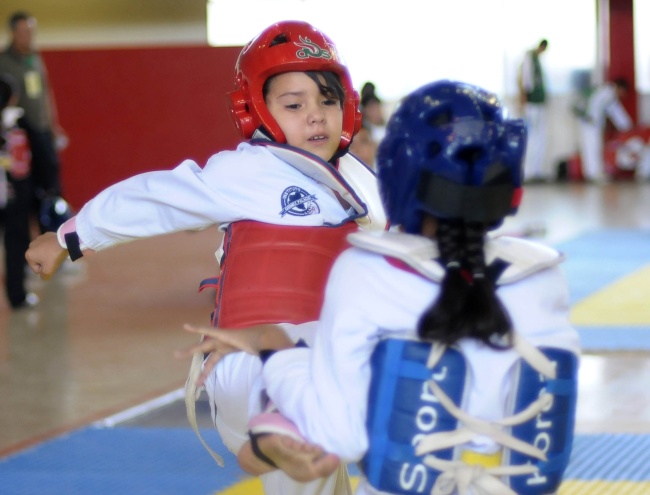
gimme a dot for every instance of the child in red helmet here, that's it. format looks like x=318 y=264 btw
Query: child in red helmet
x=285 y=198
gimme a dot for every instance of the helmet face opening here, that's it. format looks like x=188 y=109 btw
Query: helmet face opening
x=289 y=46
x=450 y=151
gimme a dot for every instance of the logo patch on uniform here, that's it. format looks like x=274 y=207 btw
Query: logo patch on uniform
x=311 y=49
x=298 y=202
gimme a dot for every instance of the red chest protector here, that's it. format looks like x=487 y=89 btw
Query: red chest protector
x=274 y=273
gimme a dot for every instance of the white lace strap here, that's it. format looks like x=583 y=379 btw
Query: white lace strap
x=534 y=357
x=475 y=426
x=436 y=352
x=192 y=394
x=457 y=477
x=343 y=484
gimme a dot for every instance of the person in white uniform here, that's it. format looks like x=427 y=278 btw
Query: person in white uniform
x=444 y=361
x=603 y=103
x=534 y=104
x=286 y=198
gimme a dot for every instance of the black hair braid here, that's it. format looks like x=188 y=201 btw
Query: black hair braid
x=467 y=305
x=487 y=318
x=441 y=320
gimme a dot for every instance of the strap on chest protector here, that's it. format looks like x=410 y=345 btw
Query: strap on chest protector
x=417 y=427
x=551 y=430
x=402 y=410
x=274 y=273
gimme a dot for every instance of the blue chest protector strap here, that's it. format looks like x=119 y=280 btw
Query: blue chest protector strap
x=404 y=410
x=417 y=428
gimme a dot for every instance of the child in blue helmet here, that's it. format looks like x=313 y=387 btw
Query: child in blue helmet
x=444 y=361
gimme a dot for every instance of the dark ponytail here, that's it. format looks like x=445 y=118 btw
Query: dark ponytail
x=467 y=305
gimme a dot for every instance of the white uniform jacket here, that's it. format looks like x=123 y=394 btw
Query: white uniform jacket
x=260 y=181
x=324 y=389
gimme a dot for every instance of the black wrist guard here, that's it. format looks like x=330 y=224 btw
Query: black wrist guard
x=72 y=243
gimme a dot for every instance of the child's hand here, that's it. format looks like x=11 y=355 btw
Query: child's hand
x=45 y=255
x=219 y=343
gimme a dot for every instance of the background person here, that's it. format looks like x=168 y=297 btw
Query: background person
x=603 y=103
x=40 y=120
x=372 y=110
x=533 y=101
x=364 y=146
x=15 y=163
x=37 y=187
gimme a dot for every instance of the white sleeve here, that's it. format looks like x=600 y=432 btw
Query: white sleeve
x=324 y=390
x=539 y=307
x=150 y=204
x=618 y=115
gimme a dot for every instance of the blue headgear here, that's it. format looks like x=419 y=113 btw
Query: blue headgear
x=450 y=151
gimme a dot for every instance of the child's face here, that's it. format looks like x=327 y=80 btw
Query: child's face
x=308 y=119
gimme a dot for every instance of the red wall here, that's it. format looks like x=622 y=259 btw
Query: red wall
x=616 y=41
x=133 y=110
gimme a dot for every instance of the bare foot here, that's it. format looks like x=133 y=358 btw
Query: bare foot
x=301 y=461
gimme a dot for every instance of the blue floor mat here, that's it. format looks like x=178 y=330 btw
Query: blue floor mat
x=596 y=260
x=171 y=461
x=144 y=461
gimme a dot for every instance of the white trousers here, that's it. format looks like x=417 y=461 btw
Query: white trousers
x=535 y=117
x=643 y=168
x=591 y=151
x=235 y=389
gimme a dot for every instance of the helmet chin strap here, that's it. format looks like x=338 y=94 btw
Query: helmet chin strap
x=339 y=153
x=261 y=133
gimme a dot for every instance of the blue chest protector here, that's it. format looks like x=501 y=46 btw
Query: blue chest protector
x=552 y=429
x=403 y=409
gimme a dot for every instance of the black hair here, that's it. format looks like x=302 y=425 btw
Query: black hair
x=467 y=306
x=368 y=95
x=17 y=17
x=332 y=87
x=543 y=43
x=368 y=99
x=368 y=89
x=621 y=82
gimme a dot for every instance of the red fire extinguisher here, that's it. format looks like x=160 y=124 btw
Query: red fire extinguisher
x=19 y=153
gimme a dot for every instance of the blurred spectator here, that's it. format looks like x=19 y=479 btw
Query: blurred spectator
x=372 y=111
x=31 y=127
x=532 y=99
x=15 y=170
x=601 y=103
x=364 y=146
x=23 y=62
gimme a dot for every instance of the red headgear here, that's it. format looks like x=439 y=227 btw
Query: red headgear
x=305 y=49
